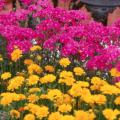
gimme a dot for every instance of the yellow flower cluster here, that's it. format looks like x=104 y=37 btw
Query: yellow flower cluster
x=48 y=78
x=8 y=98
x=45 y=92
x=67 y=78
x=15 y=83
x=39 y=111
x=34 y=68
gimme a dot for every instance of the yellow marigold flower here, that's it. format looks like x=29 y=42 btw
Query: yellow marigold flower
x=97 y=83
x=39 y=111
x=8 y=98
x=89 y=99
x=14 y=114
x=117 y=100
x=6 y=75
x=33 y=79
x=35 y=48
x=111 y=114
x=29 y=117
x=76 y=90
x=33 y=98
x=28 y=61
x=67 y=78
x=67 y=99
x=82 y=115
x=34 y=68
x=83 y=84
x=64 y=108
x=66 y=74
x=79 y=71
x=117 y=84
x=114 y=72
x=64 y=62
x=54 y=94
x=54 y=116
x=92 y=115
x=34 y=90
x=49 y=68
x=48 y=78
x=16 y=54
x=110 y=89
x=67 y=81
x=67 y=117
x=100 y=99
x=15 y=83
x=42 y=112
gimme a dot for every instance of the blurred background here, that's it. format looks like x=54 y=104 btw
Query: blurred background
x=65 y=4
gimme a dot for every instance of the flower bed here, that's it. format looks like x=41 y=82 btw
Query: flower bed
x=55 y=64
x=50 y=88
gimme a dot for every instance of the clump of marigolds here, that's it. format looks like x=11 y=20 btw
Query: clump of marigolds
x=57 y=91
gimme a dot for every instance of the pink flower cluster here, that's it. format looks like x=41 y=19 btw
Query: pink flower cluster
x=69 y=31
x=2 y=4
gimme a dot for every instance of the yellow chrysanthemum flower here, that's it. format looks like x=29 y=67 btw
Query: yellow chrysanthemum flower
x=100 y=99
x=28 y=61
x=8 y=98
x=84 y=115
x=117 y=84
x=15 y=83
x=39 y=111
x=33 y=98
x=114 y=72
x=55 y=116
x=33 y=79
x=67 y=78
x=64 y=62
x=35 y=48
x=110 y=89
x=54 y=94
x=15 y=114
x=117 y=100
x=29 y=117
x=6 y=75
x=48 y=78
x=49 y=68
x=79 y=71
x=34 y=68
x=111 y=114
x=64 y=108
x=16 y=54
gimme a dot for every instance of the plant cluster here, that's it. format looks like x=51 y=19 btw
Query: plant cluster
x=56 y=64
x=48 y=87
